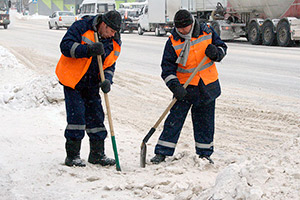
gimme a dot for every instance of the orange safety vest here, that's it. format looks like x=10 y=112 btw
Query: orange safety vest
x=70 y=70
x=196 y=54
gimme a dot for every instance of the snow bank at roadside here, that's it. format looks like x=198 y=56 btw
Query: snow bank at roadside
x=39 y=91
x=274 y=176
x=30 y=17
x=36 y=91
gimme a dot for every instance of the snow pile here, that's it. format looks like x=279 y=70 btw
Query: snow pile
x=39 y=91
x=272 y=177
x=35 y=91
x=30 y=17
x=8 y=60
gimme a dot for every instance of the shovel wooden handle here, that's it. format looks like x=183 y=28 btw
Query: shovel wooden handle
x=111 y=127
x=200 y=67
x=143 y=153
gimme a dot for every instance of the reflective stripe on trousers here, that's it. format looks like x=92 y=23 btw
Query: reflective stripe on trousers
x=203 y=124
x=84 y=113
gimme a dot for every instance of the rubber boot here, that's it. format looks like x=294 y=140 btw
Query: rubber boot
x=158 y=158
x=97 y=155
x=73 y=155
x=207 y=158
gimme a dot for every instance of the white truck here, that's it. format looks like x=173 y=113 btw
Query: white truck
x=130 y=13
x=268 y=22
x=94 y=7
x=157 y=16
x=4 y=13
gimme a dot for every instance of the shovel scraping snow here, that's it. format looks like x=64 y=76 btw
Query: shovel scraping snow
x=143 y=153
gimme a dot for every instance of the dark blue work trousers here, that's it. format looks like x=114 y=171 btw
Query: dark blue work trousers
x=203 y=118
x=84 y=113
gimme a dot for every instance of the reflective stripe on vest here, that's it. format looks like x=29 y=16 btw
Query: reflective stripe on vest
x=196 y=54
x=70 y=70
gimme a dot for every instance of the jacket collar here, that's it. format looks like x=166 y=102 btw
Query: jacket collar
x=98 y=18
x=95 y=20
x=198 y=30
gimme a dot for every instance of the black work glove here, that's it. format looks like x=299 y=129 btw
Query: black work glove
x=95 y=49
x=105 y=86
x=178 y=90
x=212 y=52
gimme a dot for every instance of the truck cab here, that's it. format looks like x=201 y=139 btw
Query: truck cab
x=143 y=20
x=153 y=18
x=94 y=7
x=130 y=13
x=157 y=16
x=4 y=13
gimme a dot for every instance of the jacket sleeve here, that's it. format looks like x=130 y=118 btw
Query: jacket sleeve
x=70 y=45
x=169 y=65
x=109 y=71
x=222 y=47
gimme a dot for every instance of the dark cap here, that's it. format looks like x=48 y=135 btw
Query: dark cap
x=112 y=19
x=183 y=18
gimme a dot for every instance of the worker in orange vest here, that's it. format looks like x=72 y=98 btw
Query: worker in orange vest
x=78 y=72
x=190 y=41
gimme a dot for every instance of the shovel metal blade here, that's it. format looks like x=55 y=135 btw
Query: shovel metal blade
x=143 y=155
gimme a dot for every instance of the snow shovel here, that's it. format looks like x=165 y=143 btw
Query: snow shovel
x=143 y=153
x=108 y=110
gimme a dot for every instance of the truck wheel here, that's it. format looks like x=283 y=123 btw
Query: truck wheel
x=157 y=33
x=5 y=26
x=254 y=33
x=284 y=35
x=122 y=28
x=140 y=31
x=268 y=34
x=56 y=26
x=50 y=27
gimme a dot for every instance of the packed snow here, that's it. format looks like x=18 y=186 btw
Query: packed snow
x=257 y=144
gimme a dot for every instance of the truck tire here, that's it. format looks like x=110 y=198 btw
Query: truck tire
x=157 y=33
x=140 y=31
x=50 y=27
x=254 y=34
x=268 y=34
x=283 y=34
x=56 y=26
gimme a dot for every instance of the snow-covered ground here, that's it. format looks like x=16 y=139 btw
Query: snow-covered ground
x=257 y=143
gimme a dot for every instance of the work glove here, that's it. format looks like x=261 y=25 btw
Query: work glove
x=179 y=91
x=105 y=86
x=212 y=52
x=95 y=49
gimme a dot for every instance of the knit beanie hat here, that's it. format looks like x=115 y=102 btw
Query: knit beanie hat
x=112 y=19
x=183 y=18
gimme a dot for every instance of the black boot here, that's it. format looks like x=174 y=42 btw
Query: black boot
x=158 y=158
x=73 y=156
x=97 y=155
x=207 y=158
